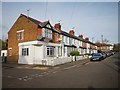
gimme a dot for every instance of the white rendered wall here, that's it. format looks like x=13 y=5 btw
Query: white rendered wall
x=4 y=51
x=38 y=54
x=25 y=59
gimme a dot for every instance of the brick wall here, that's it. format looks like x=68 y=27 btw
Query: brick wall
x=30 y=34
x=84 y=44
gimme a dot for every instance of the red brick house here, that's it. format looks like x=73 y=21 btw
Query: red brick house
x=25 y=29
x=34 y=42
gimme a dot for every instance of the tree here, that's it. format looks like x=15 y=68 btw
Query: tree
x=74 y=53
x=3 y=44
x=116 y=47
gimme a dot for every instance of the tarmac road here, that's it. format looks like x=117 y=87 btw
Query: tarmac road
x=79 y=74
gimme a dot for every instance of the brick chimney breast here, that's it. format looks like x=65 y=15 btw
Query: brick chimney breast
x=71 y=32
x=57 y=26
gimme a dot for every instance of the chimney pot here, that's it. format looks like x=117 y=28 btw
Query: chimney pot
x=80 y=36
x=87 y=38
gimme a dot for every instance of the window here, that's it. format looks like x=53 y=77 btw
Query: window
x=10 y=51
x=50 y=51
x=62 y=39
x=66 y=39
x=59 y=51
x=70 y=41
x=20 y=35
x=25 y=51
x=48 y=33
x=48 y=26
x=56 y=36
x=73 y=41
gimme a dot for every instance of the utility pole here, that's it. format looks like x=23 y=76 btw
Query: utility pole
x=102 y=42
x=92 y=39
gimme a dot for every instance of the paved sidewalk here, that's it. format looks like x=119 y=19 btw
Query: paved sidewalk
x=78 y=62
x=16 y=65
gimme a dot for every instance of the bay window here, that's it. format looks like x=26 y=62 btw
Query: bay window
x=48 y=33
x=56 y=36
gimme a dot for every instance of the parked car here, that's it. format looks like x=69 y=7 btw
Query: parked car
x=96 y=57
x=104 y=55
x=108 y=53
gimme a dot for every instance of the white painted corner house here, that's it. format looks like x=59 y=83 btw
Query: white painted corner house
x=39 y=52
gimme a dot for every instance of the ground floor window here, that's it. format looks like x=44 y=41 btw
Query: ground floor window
x=10 y=51
x=59 y=51
x=25 y=51
x=50 y=51
x=82 y=51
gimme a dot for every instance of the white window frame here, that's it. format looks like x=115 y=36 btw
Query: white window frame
x=63 y=39
x=49 y=50
x=48 y=33
x=56 y=36
x=48 y=26
x=20 y=35
x=10 y=51
x=25 y=51
x=66 y=40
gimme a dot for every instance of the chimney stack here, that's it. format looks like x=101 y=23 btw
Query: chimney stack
x=80 y=36
x=87 y=38
x=71 y=32
x=57 y=26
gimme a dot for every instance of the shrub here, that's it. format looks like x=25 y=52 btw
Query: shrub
x=74 y=53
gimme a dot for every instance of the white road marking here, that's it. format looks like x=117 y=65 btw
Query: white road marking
x=70 y=67
x=54 y=72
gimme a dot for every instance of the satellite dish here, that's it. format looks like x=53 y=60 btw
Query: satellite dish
x=40 y=36
x=47 y=39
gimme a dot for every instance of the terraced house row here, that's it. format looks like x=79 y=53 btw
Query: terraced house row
x=34 y=42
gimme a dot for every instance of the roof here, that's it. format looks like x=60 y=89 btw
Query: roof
x=39 y=23
x=43 y=24
x=81 y=39
x=102 y=44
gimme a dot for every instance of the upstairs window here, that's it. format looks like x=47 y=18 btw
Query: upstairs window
x=56 y=36
x=48 y=26
x=66 y=40
x=63 y=39
x=48 y=33
x=20 y=35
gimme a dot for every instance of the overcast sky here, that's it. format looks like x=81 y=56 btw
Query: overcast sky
x=91 y=19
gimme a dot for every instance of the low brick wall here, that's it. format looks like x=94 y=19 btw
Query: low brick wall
x=57 y=61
